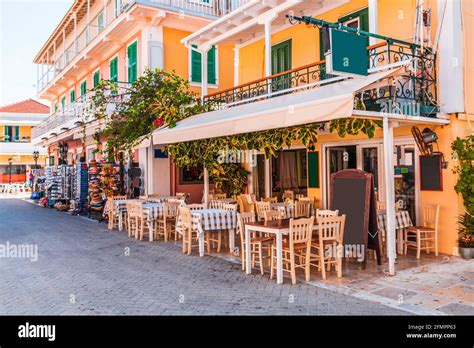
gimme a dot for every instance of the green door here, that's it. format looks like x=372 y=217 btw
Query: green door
x=281 y=61
x=132 y=62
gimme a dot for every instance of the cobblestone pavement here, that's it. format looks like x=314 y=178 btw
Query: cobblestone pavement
x=82 y=268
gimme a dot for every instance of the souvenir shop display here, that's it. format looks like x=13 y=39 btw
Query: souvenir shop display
x=39 y=184
x=53 y=182
x=96 y=196
x=81 y=191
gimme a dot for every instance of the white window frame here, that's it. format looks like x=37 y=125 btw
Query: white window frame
x=198 y=84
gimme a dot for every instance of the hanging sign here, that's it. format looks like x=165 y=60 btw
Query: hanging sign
x=348 y=55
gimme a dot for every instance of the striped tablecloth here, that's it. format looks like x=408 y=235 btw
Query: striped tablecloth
x=153 y=211
x=219 y=204
x=210 y=219
x=402 y=220
x=163 y=199
x=288 y=209
x=120 y=205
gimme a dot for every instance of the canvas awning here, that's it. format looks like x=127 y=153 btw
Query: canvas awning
x=314 y=105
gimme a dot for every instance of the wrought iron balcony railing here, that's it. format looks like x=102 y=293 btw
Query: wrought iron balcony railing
x=414 y=91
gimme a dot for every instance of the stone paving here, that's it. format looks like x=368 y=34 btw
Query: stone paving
x=82 y=268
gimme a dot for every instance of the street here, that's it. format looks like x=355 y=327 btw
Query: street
x=82 y=268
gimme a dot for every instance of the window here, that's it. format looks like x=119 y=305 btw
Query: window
x=96 y=78
x=55 y=106
x=100 y=22
x=118 y=7
x=12 y=133
x=72 y=95
x=211 y=66
x=281 y=61
x=113 y=64
x=83 y=88
x=63 y=102
x=132 y=62
x=191 y=175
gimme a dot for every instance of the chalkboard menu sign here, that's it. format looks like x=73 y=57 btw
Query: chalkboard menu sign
x=431 y=173
x=352 y=193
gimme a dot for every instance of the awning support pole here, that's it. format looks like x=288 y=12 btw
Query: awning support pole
x=389 y=193
x=268 y=174
x=206 y=188
x=149 y=169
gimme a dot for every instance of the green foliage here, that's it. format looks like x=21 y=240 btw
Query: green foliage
x=156 y=95
x=353 y=126
x=466 y=230
x=230 y=178
x=463 y=152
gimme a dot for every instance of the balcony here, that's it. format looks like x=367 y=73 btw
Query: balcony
x=19 y=148
x=107 y=17
x=73 y=114
x=414 y=91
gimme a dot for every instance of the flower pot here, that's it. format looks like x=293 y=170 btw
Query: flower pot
x=466 y=253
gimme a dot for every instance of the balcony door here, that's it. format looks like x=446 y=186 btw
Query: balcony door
x=281 y=61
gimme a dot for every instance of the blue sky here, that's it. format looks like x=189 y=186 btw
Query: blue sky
x=24 y=26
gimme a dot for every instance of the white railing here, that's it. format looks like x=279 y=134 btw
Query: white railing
x=213 y=8
x=82 y=110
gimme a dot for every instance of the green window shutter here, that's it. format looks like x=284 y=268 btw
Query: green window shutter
x=96 y=78
x=132 y=62
x=114 y=69
x=195 y=66
x=363 y=16
x=17 y=133
x=211 y=66
x=55 y=106
x=83 y=88
x=100 y=22
x=72 y=95
x=63 y=102
x=281 y=57
x=313 y=169
x=321 y=45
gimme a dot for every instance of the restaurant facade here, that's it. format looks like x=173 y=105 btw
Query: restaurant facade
x=269 y=70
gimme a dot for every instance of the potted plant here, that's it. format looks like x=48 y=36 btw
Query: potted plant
x=466 y=235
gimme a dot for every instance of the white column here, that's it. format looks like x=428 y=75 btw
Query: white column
x=206 y=188
x=373 y=20
x=104 y=13
x=268 y=178
x=389 y=193
x=149 y=174
x=88 y=20
x=268 y=47
x=236 y=65
x=203 y=52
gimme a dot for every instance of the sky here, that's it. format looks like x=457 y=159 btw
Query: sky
x=25 y=25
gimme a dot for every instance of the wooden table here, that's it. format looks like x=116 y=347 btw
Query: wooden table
x=276 y=227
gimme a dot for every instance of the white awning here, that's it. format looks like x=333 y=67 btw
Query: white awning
x=319 y=104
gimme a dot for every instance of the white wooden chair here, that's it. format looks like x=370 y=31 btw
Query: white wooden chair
x=424 y=237
x=261 y=207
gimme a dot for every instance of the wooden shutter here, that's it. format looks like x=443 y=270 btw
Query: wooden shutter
x=195 y=66
x=83 y=88
x=313 y=169
x=55 y=106
x=132 y=62
x=363 y=16
x=63 y=102
x=96 y=78
x=211 y=66
x=114 y=69
x=17 y=133
x=281 y=57
x=72 y=95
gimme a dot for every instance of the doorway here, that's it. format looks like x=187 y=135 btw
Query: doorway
x=367 y=156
